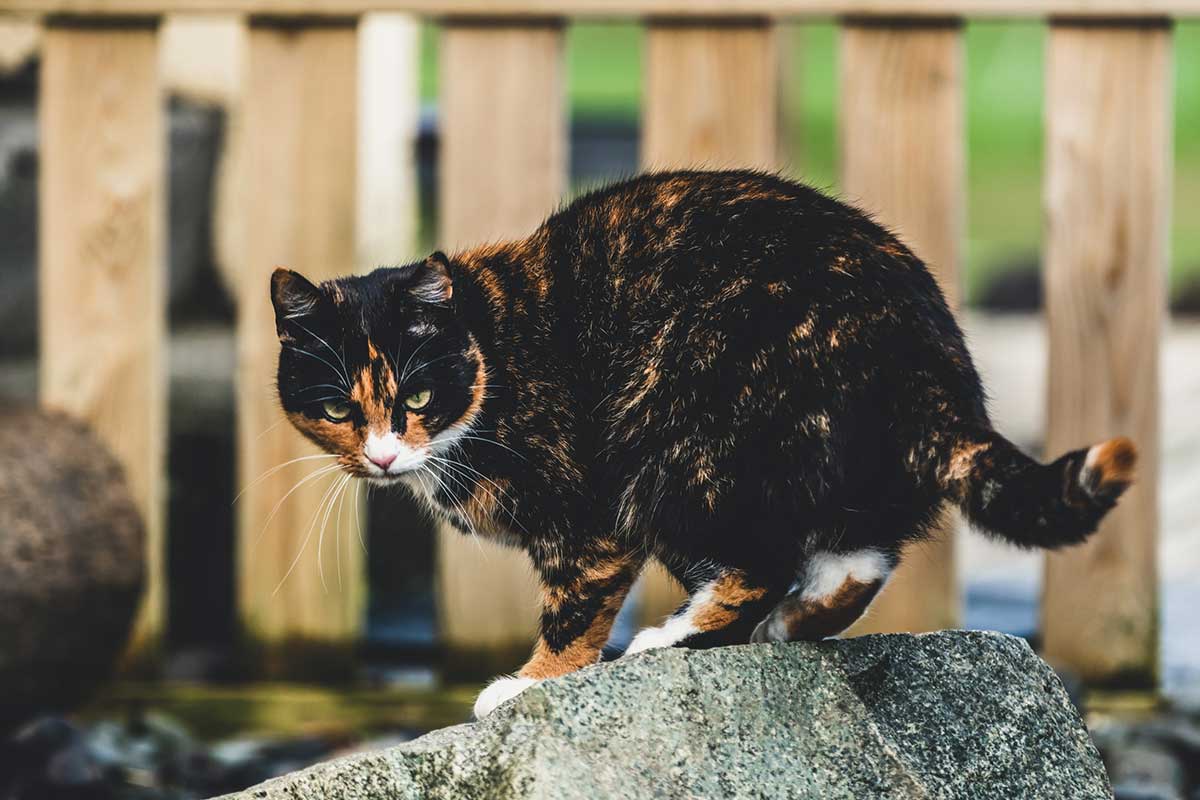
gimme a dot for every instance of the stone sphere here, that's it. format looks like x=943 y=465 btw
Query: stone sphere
x=71 y=563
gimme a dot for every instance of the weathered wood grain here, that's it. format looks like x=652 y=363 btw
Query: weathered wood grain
x=902 y=158
x=711 y=95
x=1107 y=203
x=102 y=271
x=503 y=169
x=298 y=204
x=389 y=105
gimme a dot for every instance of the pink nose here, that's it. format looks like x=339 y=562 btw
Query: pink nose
x=383 y=462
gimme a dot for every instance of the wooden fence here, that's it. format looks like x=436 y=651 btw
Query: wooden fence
x=711 y=96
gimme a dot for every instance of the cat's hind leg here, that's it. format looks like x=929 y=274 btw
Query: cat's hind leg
x=831 y=592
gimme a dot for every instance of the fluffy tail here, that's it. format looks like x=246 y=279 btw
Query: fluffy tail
x=1005 y=492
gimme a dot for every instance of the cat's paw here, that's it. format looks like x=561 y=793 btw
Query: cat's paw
x=498 y=692
x=669 y=634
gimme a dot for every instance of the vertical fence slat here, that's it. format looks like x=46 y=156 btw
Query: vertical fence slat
x=389 y=103
x=298 y=196
x=710 y=99
x=711 y=94
x=902 y=158
x=503 y=168
x=102 y=303
x=1107 y=194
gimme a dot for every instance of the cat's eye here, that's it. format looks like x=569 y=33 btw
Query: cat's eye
x=336 y=410
x=415 y=402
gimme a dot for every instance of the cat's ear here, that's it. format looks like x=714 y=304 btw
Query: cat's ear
x=431 y=283
x=293 y=296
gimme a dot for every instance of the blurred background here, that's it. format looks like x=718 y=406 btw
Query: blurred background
x=278 y=627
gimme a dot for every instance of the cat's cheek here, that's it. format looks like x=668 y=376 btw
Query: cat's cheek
x=498 y=692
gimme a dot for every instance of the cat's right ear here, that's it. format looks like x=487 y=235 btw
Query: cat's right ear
x=293 y=296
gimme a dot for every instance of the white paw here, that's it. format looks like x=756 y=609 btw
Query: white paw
x=498 y=692
x=670 y=633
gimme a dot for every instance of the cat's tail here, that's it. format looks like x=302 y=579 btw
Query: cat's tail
x=1007 y=493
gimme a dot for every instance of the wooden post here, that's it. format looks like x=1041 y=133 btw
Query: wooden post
x=388 y=112
x=298 y=195
x=710 y=100
x=102 y=283
x=902 y=158
x=503 y=170
x=20 y=39
x=711 y=94
x=1107 y=195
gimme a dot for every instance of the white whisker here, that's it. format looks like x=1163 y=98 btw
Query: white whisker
x=337 y=534
x=337 y=492
x=473 y=438
x=275 y=469
x=358 y=510
x=411 y=356
x=271 y=427
x=462 y=513
x=340 y=357
x=429 y=363
x=323 y=361
x=319 y=473
x=307 y=536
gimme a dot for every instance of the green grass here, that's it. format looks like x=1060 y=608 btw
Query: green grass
x=1004 y=126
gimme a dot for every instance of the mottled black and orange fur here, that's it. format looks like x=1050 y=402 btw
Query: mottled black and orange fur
x=728 y=372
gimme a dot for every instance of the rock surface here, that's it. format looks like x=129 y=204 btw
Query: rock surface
x=71 y=563
x=946 y=715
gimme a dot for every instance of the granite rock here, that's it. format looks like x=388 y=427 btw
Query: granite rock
x=945 y=715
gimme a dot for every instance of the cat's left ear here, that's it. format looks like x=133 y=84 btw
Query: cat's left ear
x=293 y=296
x=431 y=283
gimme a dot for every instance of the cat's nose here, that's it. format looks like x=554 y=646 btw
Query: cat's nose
x=382 y=450
x=383 y=461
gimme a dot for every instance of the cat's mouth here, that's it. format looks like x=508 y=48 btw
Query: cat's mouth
x=388 y=457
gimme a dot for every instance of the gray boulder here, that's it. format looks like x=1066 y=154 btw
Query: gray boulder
x=955 y=714
x=71 y=563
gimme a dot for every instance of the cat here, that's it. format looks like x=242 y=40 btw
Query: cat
x=729 y=372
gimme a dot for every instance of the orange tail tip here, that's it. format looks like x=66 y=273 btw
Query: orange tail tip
x=1109 y=467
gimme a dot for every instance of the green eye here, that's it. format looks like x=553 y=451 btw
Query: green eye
x=336 y=410
x=415 y=402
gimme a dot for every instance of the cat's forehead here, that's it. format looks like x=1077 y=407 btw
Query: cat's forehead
x=366 y=307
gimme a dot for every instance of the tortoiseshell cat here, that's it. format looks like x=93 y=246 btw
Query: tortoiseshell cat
x=725 y=371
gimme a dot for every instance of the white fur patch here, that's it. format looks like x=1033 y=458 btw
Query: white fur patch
x=390 y=445
x=674 y=630
x=825 y=572
x=1085 y=476
x=422 y=330
x=499 y=692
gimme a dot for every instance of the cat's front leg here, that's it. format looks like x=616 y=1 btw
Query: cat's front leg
x=581 y=595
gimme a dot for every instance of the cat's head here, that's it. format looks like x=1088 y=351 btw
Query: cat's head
x=377 y=369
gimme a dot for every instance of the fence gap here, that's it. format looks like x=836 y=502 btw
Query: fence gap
x=1107 y=203
x=299 y=194
x=902 y=143
x=102 y=212
x=503 y=168
x=710 y=100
